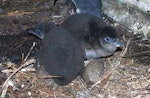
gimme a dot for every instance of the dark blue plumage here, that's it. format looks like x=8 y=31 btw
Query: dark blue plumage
x=96 y=37
x=60 y=53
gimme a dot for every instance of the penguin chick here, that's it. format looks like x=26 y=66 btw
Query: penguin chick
x=60 y=53
x=95 y=36
x=93 y=7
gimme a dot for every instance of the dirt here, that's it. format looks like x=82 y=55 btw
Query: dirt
x=125 y=77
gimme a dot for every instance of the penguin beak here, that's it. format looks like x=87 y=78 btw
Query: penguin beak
x=118 y=43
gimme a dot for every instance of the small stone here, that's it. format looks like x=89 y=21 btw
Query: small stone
x=22 y=86
x=29 y=93
x=94 y=71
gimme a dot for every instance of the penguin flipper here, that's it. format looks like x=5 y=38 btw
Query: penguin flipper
x=37 y=33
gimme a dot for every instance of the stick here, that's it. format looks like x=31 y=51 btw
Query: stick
x=22 y=66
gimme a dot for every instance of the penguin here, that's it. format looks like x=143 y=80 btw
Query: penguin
x=96 y=37
x=59 y=54
x=92 y=7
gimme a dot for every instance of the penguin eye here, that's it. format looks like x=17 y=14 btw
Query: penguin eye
x=108 y=39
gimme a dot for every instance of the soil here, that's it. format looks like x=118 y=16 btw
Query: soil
x=125 y=76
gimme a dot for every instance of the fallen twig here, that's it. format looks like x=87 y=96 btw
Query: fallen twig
x=22 y=66
x=29 y=52
x=27 y=63
x=48 y=77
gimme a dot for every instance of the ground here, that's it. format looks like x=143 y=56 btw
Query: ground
x=126 y=74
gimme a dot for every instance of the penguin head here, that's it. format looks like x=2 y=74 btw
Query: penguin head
x=108 y=39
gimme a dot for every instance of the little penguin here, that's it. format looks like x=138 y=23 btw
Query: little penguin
x=96 y=37
x=93 y=7
x=60 y=53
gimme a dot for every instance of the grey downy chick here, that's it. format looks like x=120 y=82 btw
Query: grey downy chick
x=96 y=37
x=60 y=53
